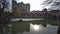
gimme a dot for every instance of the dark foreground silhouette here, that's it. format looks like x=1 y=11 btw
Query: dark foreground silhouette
x=58 y=31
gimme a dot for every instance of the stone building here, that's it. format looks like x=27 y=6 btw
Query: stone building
x=15 y=9
x=33 y=14
x=37 y=14
x=24 y=7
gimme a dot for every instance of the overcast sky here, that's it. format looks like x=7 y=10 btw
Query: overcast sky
x=41 y=4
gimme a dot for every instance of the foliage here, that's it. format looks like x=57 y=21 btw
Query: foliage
x=3 y=5
x=4 y=15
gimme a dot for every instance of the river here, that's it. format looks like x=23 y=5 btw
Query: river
x=31 y=27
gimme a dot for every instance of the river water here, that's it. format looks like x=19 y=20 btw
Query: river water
x=31 y=27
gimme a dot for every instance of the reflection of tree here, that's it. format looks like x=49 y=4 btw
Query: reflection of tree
x=53 y=22
x=20 y=27
x=3 y=28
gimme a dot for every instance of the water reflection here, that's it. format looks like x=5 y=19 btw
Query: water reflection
x=32 y=27
x=5 y=29
x=20 y=28
x=49 y=29
x=35 y=27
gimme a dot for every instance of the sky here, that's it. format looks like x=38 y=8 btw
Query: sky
x=34 y=4
x=41 y=4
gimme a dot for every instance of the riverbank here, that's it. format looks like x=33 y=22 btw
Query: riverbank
x=26 y=19
x=36 y=20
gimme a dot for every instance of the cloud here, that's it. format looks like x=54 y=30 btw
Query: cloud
x=52 y=4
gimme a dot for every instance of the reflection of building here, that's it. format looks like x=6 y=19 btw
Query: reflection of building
x=20 y=27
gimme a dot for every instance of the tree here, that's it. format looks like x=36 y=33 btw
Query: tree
x=5 y=16
x=45 y=10
x=3 y=5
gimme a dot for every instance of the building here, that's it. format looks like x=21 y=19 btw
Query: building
x=15 y=9
x=24 y=7
x=33 y=14
x=37 y=14
x=20 y=9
